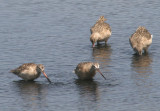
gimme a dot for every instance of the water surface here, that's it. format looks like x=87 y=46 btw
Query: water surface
x=56 y=34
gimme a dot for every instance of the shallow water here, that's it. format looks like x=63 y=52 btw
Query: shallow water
x=56 y=34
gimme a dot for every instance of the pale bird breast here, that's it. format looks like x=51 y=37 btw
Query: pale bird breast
x=30 y=71
x=145 y=41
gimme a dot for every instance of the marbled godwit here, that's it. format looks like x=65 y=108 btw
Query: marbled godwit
x=101 y=31
x=140 y=40
x=30 y=71
x=87 y=70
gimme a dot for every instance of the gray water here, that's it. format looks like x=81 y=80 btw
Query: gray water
x=56 y=33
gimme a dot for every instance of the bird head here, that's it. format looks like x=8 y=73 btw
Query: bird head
x=94 y=37
x=41 y=69
x=96 y=66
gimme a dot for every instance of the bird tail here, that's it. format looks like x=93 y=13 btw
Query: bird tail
x=11 y=71
x=73 y=71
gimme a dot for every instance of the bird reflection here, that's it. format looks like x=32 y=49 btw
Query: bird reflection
x=31 y=92
x=89 y=94
x=102 y=54
x=141 y=65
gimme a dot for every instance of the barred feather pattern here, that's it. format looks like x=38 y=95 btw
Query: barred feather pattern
x=140 y=40
x=100 y=31
x=100 y=25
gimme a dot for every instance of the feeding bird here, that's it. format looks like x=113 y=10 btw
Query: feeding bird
x=87 y=70
x=30 y=71
x=140 y=40
x=101 y=31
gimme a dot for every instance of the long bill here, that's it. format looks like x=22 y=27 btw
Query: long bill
x=46 y=76
x=101 y=73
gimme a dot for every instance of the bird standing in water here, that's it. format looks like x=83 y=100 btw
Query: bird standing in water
x=87 y=70
x=140 y=40
x=101 y=31
x=30 y=71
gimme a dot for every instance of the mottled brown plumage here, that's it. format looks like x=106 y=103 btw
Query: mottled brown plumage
x=140 y=40
x=101 y=31
x=29 y=71
x=87 y=70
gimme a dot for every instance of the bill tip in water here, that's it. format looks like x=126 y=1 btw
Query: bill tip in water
x=49 y=80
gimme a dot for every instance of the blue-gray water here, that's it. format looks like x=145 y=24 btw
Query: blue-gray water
x=56 y=33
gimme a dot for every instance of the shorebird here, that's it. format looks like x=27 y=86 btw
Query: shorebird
x=87 y=70
x=140 y=40
x=30 y=71
x=101 y=31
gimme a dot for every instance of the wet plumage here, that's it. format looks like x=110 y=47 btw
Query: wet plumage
x=101 y=31
x=140 y=40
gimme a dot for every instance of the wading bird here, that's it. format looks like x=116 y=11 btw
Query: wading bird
x=87 y=70
x=101 y=31
x=30 y=71
x=140 y=40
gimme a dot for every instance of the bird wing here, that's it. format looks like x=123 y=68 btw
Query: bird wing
x=21 y=68
x=98 y=27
